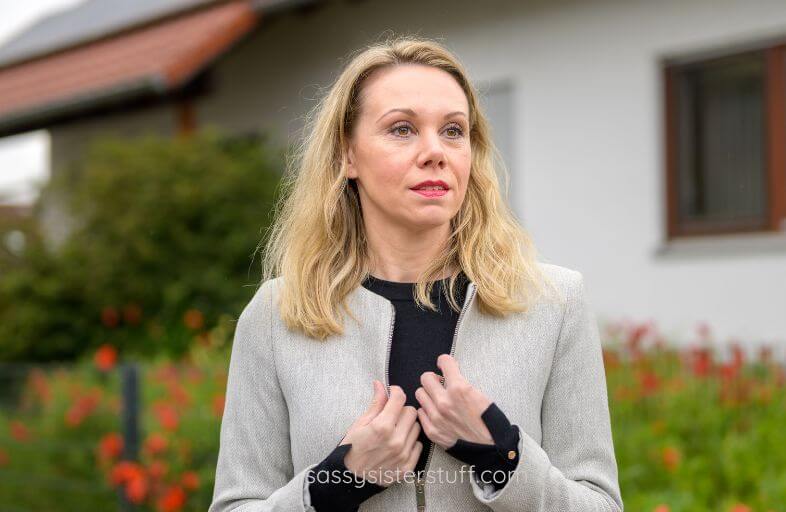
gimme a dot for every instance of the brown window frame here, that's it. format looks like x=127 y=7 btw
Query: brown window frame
x=774 y=144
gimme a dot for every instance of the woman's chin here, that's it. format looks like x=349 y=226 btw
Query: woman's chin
x=430 y=222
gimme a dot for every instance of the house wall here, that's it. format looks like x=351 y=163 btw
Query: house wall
x=581 y=128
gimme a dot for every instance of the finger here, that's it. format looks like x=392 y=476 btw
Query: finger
x=414 y=456
x=413 y=434
x=392 y=409
x=426 y=423
x=426 y=403
x=407 y=417
x=430 y=382
x=378 y=399
x=450 y=369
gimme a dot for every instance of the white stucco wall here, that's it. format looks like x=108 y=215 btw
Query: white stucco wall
x=587 y=152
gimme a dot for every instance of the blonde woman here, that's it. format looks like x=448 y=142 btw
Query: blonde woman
x=406 y=350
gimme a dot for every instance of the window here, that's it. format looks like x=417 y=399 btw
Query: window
x=496 y=99
x=725 y=143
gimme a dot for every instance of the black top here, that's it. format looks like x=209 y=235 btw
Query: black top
x=419 y=337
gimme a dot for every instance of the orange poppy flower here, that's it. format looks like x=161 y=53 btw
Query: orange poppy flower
x=111 y=445
x=105 y=357
x=172 y=500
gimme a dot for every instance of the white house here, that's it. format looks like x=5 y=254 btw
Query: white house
x=645 y=139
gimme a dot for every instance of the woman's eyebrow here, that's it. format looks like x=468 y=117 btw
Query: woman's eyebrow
x=412 y=113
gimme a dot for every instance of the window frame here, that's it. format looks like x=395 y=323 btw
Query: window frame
x=774 y=153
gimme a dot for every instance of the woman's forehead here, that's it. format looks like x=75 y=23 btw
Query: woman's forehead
x=424 y=90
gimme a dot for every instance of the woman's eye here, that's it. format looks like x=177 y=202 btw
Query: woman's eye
x=456 y=128
x=458 y=132
x=396 y=129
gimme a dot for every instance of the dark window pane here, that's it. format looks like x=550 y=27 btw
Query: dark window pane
x=721 y=178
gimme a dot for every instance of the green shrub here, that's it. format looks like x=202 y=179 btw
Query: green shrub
x=164 y=234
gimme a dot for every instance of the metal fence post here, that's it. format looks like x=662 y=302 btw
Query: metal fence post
x=129 y=376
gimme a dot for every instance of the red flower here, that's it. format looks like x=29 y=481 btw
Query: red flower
x=179 y=394
x=19 y=431
x=729 y=371
x=167 y=416
x=649 y=381
x=193 y=319
x=105 y=357
x=671 y=457
x=662 y=508
x=195 y=374
x=172 y=500
x=218 y=405
x=156 y=443
x=137 y=488
x=110 y=317
x=636 y=335
x=166 y=372
x=110 y=446
x=190 y=480
x=40 y=385
x=157 y=469
x=702 y=362
x=83 y=407
x=611 y=360
x=124 y=471
x=132 y=314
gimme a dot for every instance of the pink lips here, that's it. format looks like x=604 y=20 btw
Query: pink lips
x=430 y=193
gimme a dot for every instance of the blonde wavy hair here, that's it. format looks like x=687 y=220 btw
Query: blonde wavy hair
x=317 y=241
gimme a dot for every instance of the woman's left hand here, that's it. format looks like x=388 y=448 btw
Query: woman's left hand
x=451 y=412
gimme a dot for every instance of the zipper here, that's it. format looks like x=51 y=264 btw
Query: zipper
x=420 y=483
x=390 y=341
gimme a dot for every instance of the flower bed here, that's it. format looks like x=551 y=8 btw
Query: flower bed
x=694 y=430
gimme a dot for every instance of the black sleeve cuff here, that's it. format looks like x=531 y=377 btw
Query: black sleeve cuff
x=493 y=463
x=335 y=488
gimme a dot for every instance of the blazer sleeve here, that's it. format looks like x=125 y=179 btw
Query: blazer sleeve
x=575 y=469
x=254 y=471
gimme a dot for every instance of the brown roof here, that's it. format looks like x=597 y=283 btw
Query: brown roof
x=156 y=58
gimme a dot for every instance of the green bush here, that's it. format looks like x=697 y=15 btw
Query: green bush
x=164 y=234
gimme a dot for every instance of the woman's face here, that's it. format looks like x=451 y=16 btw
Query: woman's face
x=413 y=127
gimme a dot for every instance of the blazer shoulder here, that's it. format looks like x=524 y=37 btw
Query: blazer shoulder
x=559 y=273
x=565 y=280
x=263 y=298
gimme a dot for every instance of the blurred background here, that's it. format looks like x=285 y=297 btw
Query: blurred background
x=141 y=147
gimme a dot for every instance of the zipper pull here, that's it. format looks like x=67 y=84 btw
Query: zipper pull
x=420 y=494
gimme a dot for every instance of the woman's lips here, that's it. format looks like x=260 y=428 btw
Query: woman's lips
x=430 y=193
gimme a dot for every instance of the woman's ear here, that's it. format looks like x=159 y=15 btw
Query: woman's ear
x=351 y=170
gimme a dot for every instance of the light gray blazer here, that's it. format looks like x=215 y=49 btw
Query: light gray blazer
x=291 y=399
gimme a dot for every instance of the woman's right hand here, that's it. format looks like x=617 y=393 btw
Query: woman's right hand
x=384 y=438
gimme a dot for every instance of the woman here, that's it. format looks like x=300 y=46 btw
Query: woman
x=465 y=375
